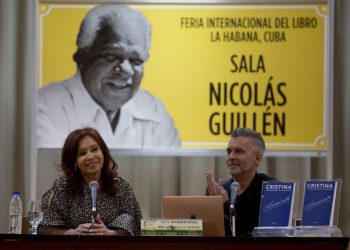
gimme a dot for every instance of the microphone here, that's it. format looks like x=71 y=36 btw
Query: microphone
x=93 y=186
x=234 y=191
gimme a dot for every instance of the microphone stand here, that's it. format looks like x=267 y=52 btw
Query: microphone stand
x=93 y=216
x=233 y=219
x=93 y=213
x=93 y=185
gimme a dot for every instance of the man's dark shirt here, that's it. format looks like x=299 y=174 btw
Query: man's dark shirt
x=247 y=206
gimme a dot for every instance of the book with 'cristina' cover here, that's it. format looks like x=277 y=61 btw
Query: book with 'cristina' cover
x=319 y=202
x=277 y=201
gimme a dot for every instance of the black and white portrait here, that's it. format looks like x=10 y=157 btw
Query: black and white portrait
x=112 y=48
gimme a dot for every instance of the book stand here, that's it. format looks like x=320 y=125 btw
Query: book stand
x=317 y=231
x=273 y=231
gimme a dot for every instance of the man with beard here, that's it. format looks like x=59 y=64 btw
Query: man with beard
x=113 y=45
x=244 y=153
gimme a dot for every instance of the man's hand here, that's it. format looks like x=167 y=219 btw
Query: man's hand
x=215 y=188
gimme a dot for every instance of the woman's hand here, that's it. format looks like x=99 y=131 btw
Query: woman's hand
x=82 y=229
x=99 y=228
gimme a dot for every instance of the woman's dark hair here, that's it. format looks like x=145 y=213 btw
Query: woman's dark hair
x=69 y=156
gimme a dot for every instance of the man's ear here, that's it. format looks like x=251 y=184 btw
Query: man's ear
x=80 y=57
x=258 y=157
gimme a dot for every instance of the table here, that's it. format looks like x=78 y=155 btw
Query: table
x=63 y=242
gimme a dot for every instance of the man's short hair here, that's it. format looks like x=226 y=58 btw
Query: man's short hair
x=103 y=16
x=248 y=132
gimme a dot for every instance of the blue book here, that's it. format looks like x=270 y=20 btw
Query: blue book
x=319 y=200
x=276 y=208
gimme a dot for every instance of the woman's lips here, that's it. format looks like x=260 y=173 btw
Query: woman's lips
x=91 y=164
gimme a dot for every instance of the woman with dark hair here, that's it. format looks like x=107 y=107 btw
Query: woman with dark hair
x=67 y=205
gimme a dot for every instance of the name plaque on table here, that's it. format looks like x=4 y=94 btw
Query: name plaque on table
x=173 y=227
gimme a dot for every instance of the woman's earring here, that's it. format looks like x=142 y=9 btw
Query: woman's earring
x=75 y=167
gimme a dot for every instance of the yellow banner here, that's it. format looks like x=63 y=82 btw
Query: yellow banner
x=220 y=66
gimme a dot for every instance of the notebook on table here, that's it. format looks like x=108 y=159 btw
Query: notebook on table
x=208 y=208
